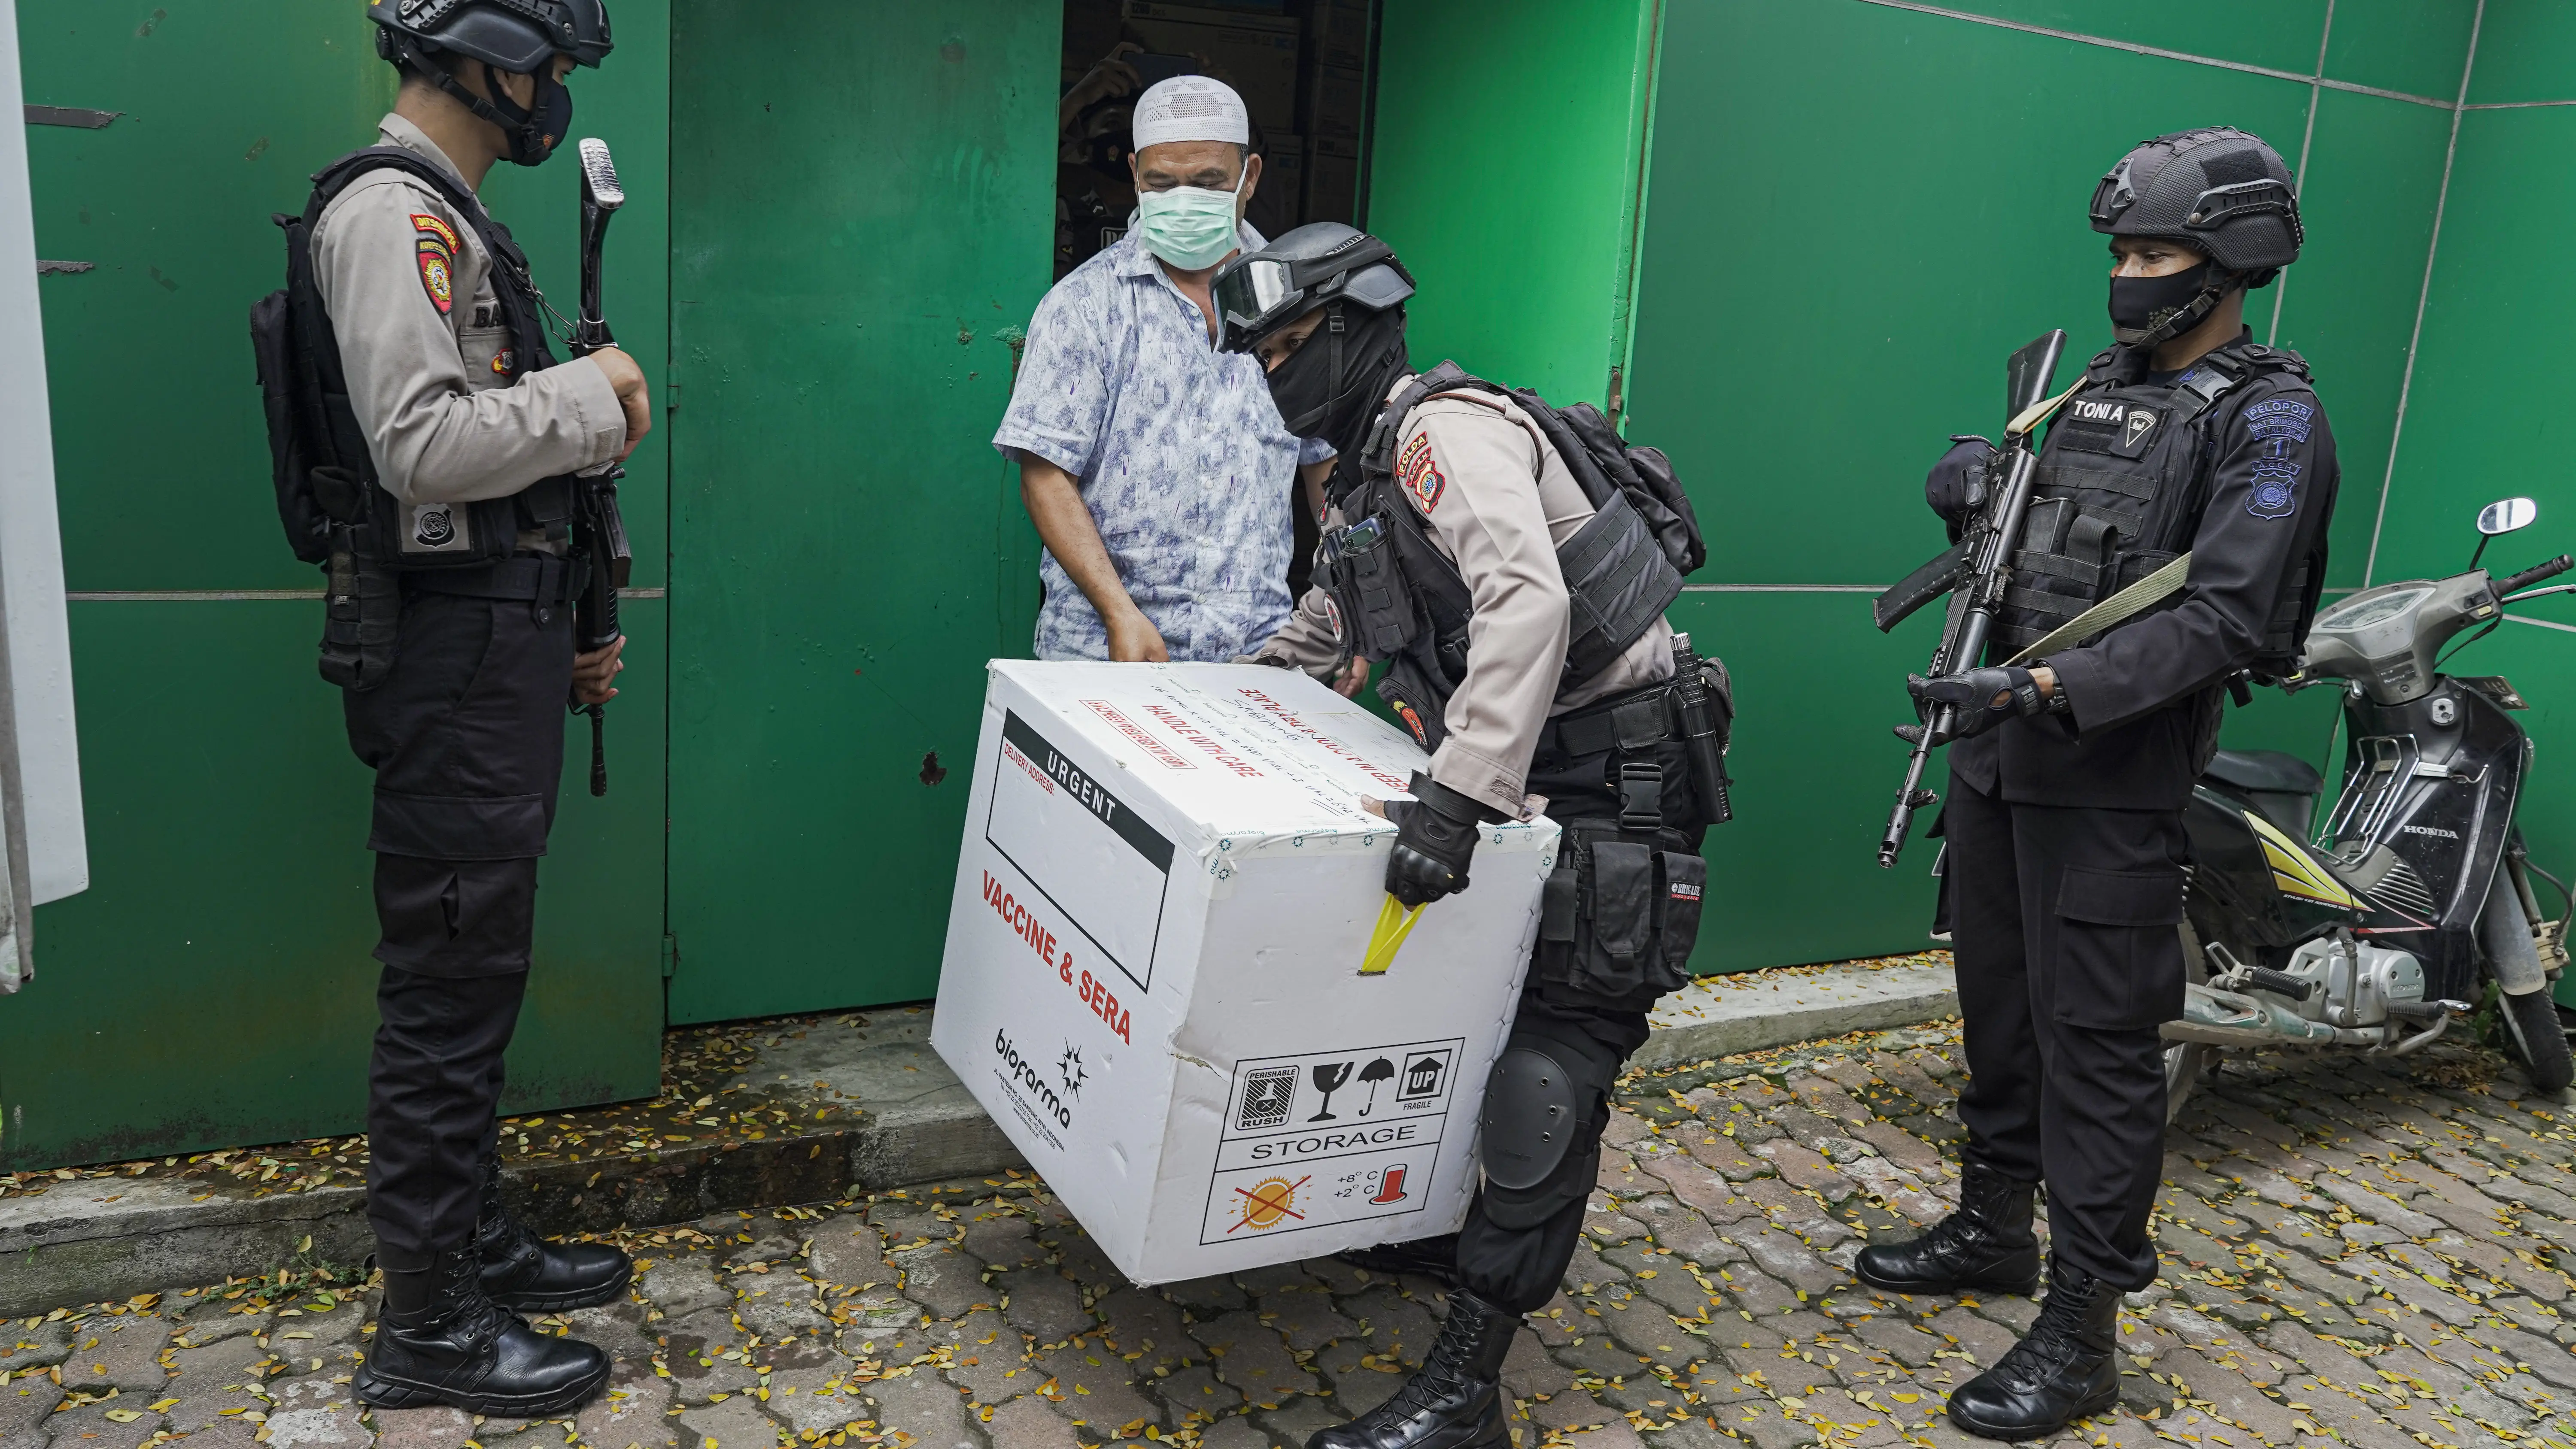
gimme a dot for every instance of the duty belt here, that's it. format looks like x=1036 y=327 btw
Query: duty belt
x=1637 y=720
x=536 y=577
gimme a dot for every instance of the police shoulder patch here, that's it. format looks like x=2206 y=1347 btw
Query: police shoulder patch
x=436 y=280
x=1419 y=472
x=2275 y=488
x=432 y=228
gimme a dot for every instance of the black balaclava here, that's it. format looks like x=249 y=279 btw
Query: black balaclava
x=1333 y=387
x=2150 y=311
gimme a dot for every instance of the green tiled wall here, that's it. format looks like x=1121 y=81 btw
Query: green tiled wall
x=1857 y=210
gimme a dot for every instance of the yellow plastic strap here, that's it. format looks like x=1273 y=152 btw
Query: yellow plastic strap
x=1394 y=923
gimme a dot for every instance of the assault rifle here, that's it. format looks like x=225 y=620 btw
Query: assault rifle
x=1973 y=570
x=599 y=535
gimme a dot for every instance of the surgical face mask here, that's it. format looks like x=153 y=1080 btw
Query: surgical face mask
x=2140 y=303
x=1191 y=227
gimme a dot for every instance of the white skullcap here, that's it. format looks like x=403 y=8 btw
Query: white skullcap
x=1190 y=108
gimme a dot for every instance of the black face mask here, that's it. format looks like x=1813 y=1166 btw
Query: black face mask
x=2140 y=305
x=533 y=132
x=1332 y=387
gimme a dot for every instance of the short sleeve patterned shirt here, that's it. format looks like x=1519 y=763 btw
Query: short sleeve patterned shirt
x=1180 y=454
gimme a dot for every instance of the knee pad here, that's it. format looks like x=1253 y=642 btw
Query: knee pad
x=1542 y=1120
x=1531 y=1115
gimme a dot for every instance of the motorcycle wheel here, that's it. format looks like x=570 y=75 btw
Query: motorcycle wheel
x=2532 y=1022
x=2186 y=1060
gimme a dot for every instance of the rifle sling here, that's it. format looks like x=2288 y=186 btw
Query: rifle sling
x=2117 y=609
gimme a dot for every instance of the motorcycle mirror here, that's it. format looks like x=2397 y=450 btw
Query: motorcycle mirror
x=2502 y=516
x=2507 y=514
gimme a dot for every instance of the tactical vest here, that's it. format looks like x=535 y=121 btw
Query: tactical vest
x=1402 y=600
x=2120 y=488
x=335 y=511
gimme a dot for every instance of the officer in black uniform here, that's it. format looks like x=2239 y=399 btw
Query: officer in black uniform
x=2068 y=781
x=435 y=459
x=1453 y=502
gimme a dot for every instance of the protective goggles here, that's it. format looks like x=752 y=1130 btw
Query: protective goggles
x=1257 y=295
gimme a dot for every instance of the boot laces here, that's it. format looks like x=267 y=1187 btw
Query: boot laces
x=1443 y=1369
x=473 y=1313
x=2055 y=1341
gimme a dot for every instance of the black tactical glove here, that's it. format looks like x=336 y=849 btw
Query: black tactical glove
x=1956 y=486
x=1435 y=834
x=1977 y=699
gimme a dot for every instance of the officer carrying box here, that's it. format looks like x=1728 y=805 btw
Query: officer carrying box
x=2064 y=816
x=1511 y=563
x=433 y=458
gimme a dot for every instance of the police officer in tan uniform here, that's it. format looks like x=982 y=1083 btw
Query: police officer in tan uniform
x=1521 y=616
x=431 y=449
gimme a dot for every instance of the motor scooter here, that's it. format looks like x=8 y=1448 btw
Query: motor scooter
x=2375 y=929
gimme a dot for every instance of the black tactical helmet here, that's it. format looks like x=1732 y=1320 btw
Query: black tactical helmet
x=520 y=36
x=2218 y=190
x=1318 y=263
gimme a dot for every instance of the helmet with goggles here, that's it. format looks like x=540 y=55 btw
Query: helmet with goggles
x=1313 y=266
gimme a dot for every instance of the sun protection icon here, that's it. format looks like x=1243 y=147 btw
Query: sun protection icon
x=1267 y=1203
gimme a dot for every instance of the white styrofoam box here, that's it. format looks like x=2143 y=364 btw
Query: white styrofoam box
x=1152 y=975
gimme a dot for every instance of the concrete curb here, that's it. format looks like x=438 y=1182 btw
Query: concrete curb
x=1719 y=1016
x=95 y=1239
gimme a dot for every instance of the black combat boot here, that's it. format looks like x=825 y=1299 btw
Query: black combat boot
x=1987 y=1243
x=532 y=1275
x=2065 y=1370
x=441 y=1340
x=1432 y=1258
x=1456 y=1402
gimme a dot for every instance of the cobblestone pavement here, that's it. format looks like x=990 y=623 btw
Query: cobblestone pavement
x=2354 y=1253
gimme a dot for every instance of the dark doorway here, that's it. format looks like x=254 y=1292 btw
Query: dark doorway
x=1301 y=67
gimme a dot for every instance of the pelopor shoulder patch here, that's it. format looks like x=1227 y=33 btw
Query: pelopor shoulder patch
x=2281 y=418
x=436 y=245
x=1419 y=472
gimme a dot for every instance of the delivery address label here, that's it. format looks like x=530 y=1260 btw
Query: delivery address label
x=1330 y=1137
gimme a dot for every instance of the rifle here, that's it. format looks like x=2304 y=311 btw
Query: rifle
x=599 y=534
x=1976 y=567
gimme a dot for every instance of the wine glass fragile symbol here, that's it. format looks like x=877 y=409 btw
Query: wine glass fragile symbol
x=1329 y=1077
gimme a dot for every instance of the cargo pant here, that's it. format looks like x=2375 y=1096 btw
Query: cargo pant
x=2065 y=922
x=466 y=738
x=1516 y=1244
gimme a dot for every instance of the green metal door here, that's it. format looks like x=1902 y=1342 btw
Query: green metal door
x=213 y=987
x=862 y=225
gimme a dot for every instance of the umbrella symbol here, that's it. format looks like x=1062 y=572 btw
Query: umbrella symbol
x=1375 y=1072
x=1329 y=1077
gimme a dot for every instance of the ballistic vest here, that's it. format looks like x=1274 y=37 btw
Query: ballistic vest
x=2120 y=488
x=1402 y=600
x=334 y=510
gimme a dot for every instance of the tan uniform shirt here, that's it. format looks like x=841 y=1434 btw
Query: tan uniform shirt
x=409 y=292
x=1499 y=501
